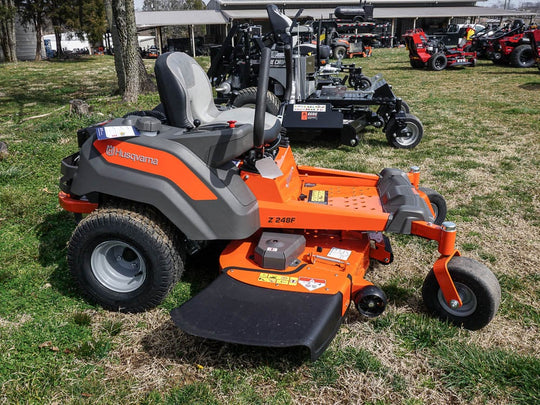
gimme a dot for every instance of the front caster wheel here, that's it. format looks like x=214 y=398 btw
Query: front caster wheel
x=404 y=133
x=438 y=204
x=124 y=260
x=478 y=289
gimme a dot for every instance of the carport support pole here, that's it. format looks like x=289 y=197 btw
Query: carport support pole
x=414 y=23
x=192 y=37
x=158 y=35
x=393 y=32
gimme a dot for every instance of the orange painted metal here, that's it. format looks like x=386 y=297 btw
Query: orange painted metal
x=446 y=239
x=318 y=270
x=76 y=206
x=440 y=268
x=157 y=162
x=351 y=200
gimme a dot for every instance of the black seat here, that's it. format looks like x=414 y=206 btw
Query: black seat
x=186 y=95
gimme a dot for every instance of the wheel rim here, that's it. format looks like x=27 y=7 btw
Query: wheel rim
x=439 y=63
x=408 y=135
x=468 y=298
x=118 y=266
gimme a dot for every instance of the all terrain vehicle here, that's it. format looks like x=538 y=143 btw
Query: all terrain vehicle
x=319 y=99
x=302 y=238
x=432 y=53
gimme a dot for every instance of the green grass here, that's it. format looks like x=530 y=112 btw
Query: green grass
x=480 y=150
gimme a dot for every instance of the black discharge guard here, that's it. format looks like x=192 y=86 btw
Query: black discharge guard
x=235 y=312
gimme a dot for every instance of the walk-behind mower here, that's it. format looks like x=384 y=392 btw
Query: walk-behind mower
x=433 y=53
x=319 y=99
x=302 y=238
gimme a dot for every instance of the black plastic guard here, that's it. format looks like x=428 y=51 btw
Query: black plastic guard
x=231 y=311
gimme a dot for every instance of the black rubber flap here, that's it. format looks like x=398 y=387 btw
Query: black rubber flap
x=231 y=311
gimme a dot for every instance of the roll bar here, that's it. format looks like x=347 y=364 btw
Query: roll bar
x=260 y=106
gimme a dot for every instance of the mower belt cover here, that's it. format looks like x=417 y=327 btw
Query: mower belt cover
x=231 y=311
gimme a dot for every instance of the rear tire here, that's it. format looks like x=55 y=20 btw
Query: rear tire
x=417 y=64
x=522 y=56
x=478 y=289
x=248 y=97
x=438 y=204
x=438 y=62
x=406 y=137
x=339 y=52
x=125 y=260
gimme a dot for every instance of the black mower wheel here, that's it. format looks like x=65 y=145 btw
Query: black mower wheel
x=438 y=62
x=339 y=52
x=361 y=84
x=404 y=136
x=417 y=64
x=125 y=260
x=438 y=204
x=522 y=56
x=248 y=97
x=478 y=289
x=405 y=107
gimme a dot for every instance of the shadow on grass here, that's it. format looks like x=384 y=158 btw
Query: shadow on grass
x=54 y=233
x=534 y=86
x=169 y=342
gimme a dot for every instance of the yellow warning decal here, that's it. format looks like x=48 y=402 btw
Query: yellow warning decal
x=277 y=279
x=318 y=196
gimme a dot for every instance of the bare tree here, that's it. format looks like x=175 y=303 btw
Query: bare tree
x=133 y=78
x=7 y=30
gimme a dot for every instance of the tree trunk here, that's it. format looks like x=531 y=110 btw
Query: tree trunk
x=7 y=31
x=117 y=46
x=135 y=77
x=58 y=37
x=39 y=36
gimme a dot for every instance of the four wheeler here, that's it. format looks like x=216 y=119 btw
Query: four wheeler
x=534 y=37
x=432 y=53
x=302 y=238
x=316 y=100
x=511 y=46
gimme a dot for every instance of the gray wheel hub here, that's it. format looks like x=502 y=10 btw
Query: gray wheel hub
x=467 y=298
x=118 y=266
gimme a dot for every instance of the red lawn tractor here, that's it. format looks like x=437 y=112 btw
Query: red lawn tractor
x=513 y=48
x=534 y=37
x=432 y=53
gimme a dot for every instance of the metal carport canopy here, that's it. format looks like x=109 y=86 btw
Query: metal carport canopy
x=385 y=13
x=151 y=19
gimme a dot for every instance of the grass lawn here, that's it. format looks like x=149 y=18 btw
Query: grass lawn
x=481 y=150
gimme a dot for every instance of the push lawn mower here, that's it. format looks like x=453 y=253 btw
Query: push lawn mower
x=432 y=53
x=318 y=99
x=302 y=238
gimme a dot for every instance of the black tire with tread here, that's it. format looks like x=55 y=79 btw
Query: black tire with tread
x=248 y=97
x=392 y=129
x=522 y=56
x=155 y=239
x=339 y=50
x=438 y=203
x=438 y=62
x=479 y=280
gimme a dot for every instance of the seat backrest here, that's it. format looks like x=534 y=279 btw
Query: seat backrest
x=184 y=90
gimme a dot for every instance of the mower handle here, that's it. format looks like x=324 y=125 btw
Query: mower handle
x=289 y=73
x=260 y=104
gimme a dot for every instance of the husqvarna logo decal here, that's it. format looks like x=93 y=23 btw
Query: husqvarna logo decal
x=155 y=162
x=114 y=151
